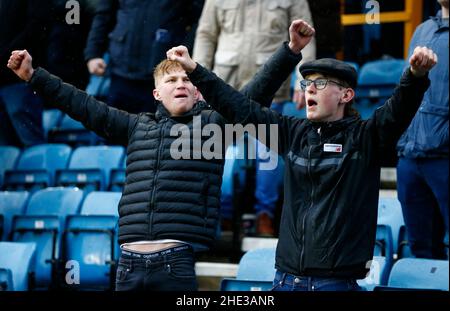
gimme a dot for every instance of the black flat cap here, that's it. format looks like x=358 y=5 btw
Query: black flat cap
x=332 y=67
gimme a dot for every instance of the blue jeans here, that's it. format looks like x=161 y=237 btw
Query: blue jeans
x=131 y=96
x=20 y=116
x=172 y=269
x=290 y=283
x=422 y=186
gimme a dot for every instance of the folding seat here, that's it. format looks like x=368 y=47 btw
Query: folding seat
x=37 y=166
x=389 y=222
x=73 y=133
x=404 y=249
x=378 y=274
x=91 y=240
x=43 y=223
x=17 y=265
x=11 y=203
x=8 y=159
x=89 y=167
x=418 y=274
x=256 y=272
x=51 y=119
x=376 y=83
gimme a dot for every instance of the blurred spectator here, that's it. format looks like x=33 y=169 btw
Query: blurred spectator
x=138 y=33
x=234 y=38
x=326 y=16
x=22 y=26
x=66 y=42
x=422 y=170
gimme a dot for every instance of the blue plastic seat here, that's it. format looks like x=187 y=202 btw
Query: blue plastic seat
x=6 y=281
x=51 y=119
x=91 y=240
x=37 y=166
x=17 y=261
x=390 y=215
x=8 y=159
x=290 y=110
x=73 y=133
x=256 y=272
x=376 y=83
x=118 y=177
x=89 y=167
x=378 y=274
x=11 y=203
x=418 y=274
x=43 y=224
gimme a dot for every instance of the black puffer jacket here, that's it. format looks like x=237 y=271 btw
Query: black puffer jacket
x=163 y=198
x=329 y=215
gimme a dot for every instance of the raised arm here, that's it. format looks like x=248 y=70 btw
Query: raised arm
x=393 y=118
x=270 y=77
x=95 y=115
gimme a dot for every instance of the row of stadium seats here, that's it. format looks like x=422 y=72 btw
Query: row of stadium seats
x=256 y=273
x=41 y=166
x=57 y=226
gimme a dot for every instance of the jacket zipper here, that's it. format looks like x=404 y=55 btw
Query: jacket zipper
x=302 y=253
x=152 y=198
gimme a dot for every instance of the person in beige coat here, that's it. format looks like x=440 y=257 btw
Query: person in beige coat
x=234 y=39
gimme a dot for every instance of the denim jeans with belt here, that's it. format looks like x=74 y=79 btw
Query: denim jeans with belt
x=288 y=282
x=172 y=269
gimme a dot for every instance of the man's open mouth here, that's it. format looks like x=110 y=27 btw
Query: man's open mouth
x=181 y=96
x=312 y=102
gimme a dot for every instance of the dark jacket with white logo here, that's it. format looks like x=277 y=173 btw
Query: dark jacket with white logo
x=329 y=216
x=163 y=197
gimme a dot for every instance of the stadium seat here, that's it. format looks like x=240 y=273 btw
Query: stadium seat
x=256 y=272
x=43 y=223
x=73 y=133
x=290 y=110
x=89 y=167
x=404 y=249
x=418 y=274
x=11 y=203
x=51 y=119
x=390 y=215
x=17 y=266
x=36 y=167
x=378 y=274
x=91 y=240
x=376 y=83
x=8 y=159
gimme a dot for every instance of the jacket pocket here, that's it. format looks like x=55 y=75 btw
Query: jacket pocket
x=117 y=43
x=276 y=17
x=227 y=14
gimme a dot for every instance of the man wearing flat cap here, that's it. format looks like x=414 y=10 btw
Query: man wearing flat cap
x=333 y=160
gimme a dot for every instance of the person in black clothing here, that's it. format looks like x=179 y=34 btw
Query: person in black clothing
x=332 y=165
x=22 y=26
x=137 y=33
x=169 y=208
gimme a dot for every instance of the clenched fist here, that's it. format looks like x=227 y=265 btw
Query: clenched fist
x=20 y=63
x=422 y=60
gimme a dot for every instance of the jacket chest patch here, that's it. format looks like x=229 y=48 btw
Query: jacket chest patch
x=332 y=148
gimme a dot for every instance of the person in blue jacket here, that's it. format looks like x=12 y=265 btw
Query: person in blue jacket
x=422 y=170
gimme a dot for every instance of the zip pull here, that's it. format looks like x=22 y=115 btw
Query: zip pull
x=319 y=131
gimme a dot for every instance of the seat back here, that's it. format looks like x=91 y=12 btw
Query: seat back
x=6 y=282
x=92 y=164
x=37 y=166
x=390 y=214
x=19 y=259
x=11 y=203
x=290 y=110
x=378 y=274
x=42 y=223
x=51 y=119
x=73 y=133
x=418 y=273
x=91 y=240
x=256 y=271
x=8 y=159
